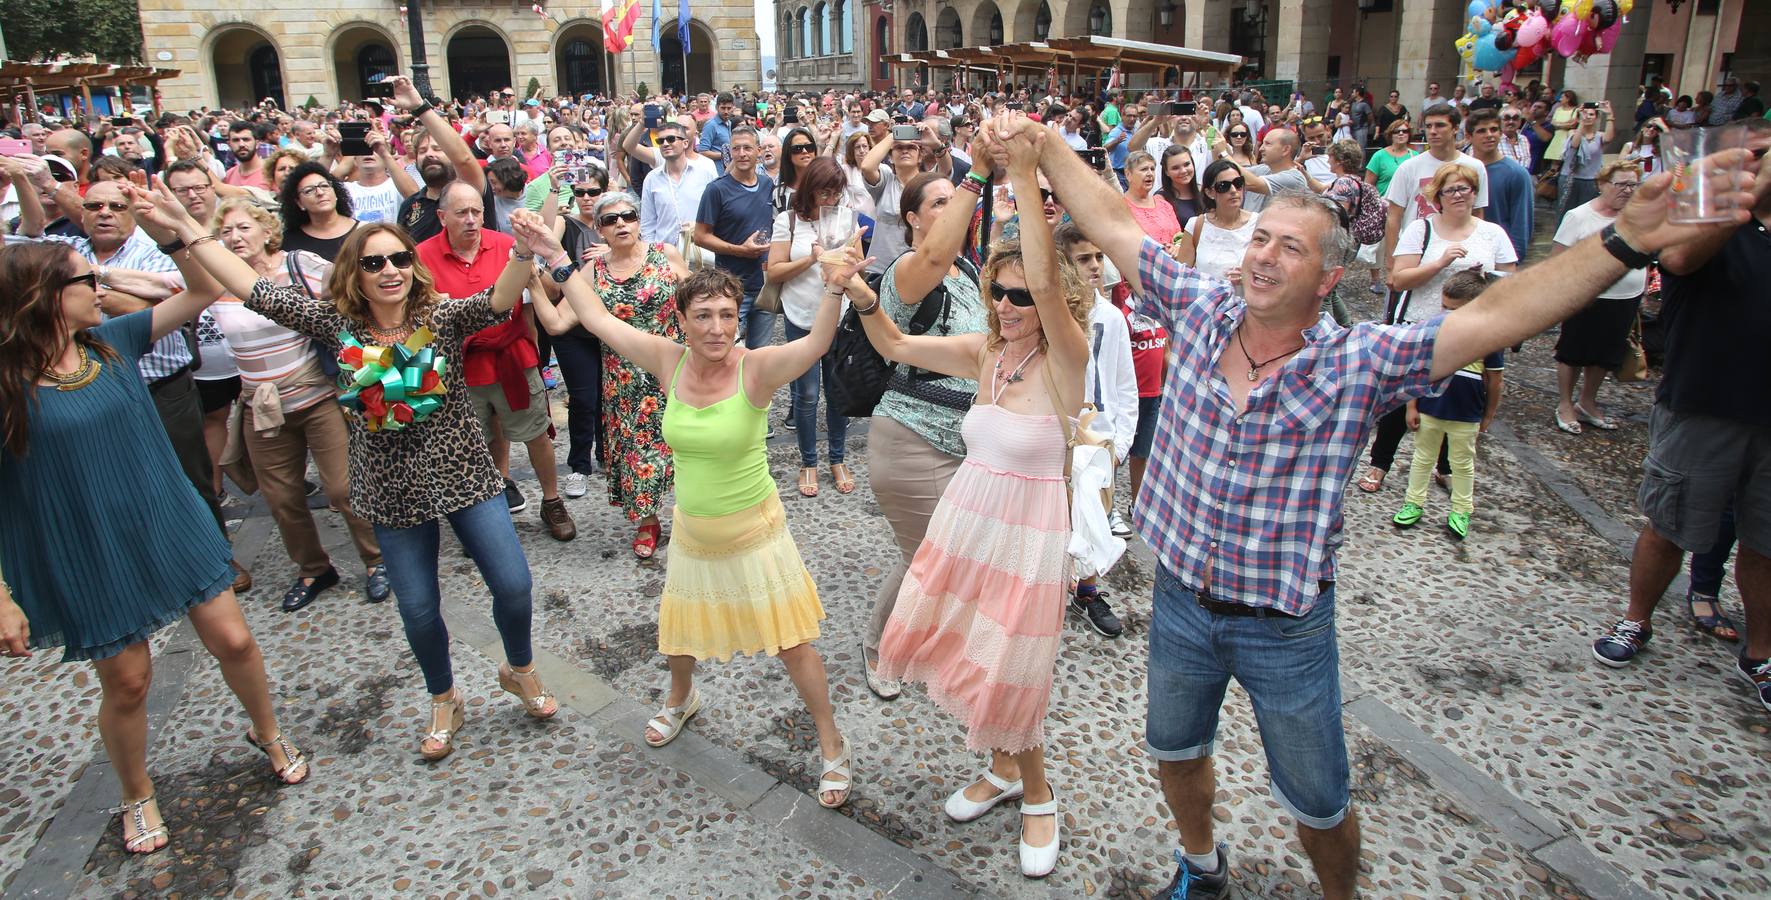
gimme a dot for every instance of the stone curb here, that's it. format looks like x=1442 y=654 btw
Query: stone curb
x=778 y=807
x=58 y=859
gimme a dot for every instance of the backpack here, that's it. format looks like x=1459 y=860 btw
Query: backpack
x=1367 y=219
x=860 y=374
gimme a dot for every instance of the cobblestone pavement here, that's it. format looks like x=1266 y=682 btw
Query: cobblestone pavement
x=1492 y=756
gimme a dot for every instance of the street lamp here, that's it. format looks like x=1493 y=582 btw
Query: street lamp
x=413 y=10
x=1166 y=15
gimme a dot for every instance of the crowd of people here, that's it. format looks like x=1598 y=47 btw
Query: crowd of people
x=388 y=294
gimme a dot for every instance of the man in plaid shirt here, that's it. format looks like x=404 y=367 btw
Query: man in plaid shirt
x=1267 y=403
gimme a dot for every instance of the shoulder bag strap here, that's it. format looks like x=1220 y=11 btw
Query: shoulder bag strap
x=1400 y=310
x=1051 y=389
x=295 y=277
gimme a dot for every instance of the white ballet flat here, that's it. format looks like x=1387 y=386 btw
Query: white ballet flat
x=1038 y=862
x=961 y=809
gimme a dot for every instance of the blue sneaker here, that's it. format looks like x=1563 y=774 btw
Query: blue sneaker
x=1622 y=643
x=1757 y=673
x=1191 y=884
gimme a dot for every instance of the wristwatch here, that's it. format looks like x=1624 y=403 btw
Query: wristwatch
x=176 y=245
x=421 y=109
x=1621 y=249
x=563 y=273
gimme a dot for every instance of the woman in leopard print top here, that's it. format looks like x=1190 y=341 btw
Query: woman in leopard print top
x=405 y=481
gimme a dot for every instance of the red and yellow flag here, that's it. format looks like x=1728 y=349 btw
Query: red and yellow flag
x=619 y=17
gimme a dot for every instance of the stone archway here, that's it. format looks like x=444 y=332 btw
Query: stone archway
x=1033 y=21
x=362 y=54
x=581 y=65
x=916 y=34
x=479 y=60
x=948 y=32
x=247 y=65
x=697 y=76
x=988 y=28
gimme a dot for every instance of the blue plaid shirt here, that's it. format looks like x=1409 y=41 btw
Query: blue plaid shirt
x=139 y=253
x=1251 y=503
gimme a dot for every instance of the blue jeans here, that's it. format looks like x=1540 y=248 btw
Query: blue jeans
x=581 y=365
x=758 y=325
x=1291 y=671
x=486 y=531
x=805 y=408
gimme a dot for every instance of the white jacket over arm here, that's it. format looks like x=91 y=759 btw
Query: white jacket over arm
x=1111 y=384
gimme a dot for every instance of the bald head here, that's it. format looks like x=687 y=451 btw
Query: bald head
x=460 y=194
x=72 y=145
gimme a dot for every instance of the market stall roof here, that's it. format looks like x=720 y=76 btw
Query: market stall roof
x=68 y=75
x=1085 y=53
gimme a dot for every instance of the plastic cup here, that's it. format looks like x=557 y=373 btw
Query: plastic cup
x=1699 y=183
x=835 y=228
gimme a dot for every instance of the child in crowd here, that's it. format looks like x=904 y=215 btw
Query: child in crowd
x=1465 y=409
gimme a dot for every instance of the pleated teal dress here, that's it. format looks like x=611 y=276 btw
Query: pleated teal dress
x=103 y=540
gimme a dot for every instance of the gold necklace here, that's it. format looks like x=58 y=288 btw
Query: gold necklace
x=84 y=373
x=389 y=336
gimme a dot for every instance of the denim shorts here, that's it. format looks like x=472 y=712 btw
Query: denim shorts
x=1148 y=407
x=1291 y=671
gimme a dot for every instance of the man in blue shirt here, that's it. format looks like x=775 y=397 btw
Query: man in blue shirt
x=1510 y=196
x=716 y=133
x=735 y=222
x=1118 y=141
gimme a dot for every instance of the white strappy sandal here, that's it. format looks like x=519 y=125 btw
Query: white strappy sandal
x=143 y=842
x=838 y=766
x=670 y=720
x=1038 y=862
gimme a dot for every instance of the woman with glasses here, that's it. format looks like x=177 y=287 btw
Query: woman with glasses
x=1390 y=113
x=636 y=282
x=289 y=412
x=316 y=211
x=1238 y=145
x=1387 y=159
x=1428 y=252
x=1219 y=238
x=793 y=265
x=412 y=471
x=981 y=611
x=87 y=566
x=1584 y=154
x=1595 y=340
x=798 y=149
x=1644 y=151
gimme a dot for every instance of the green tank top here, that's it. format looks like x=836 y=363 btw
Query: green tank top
x=721 y=464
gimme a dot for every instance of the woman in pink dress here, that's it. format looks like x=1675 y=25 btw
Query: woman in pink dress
x=980 y=612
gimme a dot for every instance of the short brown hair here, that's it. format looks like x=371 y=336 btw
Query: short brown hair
x=705 y=283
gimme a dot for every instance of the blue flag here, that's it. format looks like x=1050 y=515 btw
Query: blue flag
x=682 y=24
x=657 y=20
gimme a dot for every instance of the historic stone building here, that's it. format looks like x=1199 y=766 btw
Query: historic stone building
x=233 y=53
x=1314 y=43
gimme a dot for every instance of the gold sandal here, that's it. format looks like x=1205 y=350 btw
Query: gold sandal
x=537 y=702
x=292 y=758
x=845 y=481
x=136 y=810
x=455 y=709
x=808 y=481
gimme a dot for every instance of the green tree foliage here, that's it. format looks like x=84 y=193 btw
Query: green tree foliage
x=43 y=29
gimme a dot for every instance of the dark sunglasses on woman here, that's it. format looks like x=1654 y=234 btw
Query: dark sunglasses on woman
x=1016 y=296
x=377 y=262
x=587 y=192
x=608 y=219
x=797 y=149
x=90 y=279
x=1227 y=184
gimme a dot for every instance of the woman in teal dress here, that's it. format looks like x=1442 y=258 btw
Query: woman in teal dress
x=89 y=564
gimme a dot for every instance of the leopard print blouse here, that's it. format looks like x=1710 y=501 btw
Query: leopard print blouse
x=427 y=470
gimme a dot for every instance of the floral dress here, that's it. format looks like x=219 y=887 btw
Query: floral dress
x=635 y=457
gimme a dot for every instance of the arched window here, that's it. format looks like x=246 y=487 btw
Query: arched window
x=994 y=37
x=821 y=30
x=805 y=33
x=845 y=28
x=1042 y=22
x=1100 y=19
x=916 y=34
x=784 y=37
x=374 y=63
x=882 y=45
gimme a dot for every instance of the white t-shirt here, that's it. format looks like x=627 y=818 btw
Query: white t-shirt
x=1584 y=221
x=380 y=203
x=1075 y=141
x=1486 y=247
x=800 y=297
x=1411 y=179
x=1318 y=168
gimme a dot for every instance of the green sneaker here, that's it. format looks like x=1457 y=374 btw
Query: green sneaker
x=1409 y=514
x=1458 y=524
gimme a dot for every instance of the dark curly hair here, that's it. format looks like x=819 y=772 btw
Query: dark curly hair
x=289 y=195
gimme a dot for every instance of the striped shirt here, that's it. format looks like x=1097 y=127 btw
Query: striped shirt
x=1517 y=149
x=267 y=352
x=139 y=253
x=1250 y=503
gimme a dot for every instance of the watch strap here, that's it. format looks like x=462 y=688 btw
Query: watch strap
x=1618 y=247
x=174 y=246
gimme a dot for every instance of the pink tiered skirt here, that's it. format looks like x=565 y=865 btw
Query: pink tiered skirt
x=979 y=616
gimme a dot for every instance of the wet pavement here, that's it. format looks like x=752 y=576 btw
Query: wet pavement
x=1492 y=757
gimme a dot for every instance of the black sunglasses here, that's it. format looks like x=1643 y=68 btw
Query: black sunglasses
x=607 y=219
x=90 y=279
x=668 y=139
x=1045 y=196
x=587 y=192
x=1240 y=134
x=377 y=262
x=96 y=205
x=802 y=148
x=1219 y=187
x=1017 y=296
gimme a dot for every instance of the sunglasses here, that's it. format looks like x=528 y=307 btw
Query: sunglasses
x=668 y=139
x=1045 y=196
x=1233 y=184
x=797 y=149
x=373 y=264
x=116 y=206
x=587 y=192
x=607 y=219
x=1239 y=134
x=1016 y=296
x=90 y=279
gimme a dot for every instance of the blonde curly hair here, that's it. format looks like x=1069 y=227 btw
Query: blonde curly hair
x=1078 y=295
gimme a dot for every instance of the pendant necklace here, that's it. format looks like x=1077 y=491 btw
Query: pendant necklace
x=1254 y=368
x=999 y=382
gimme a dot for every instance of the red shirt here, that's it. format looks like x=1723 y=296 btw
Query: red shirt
x=500 y=350
x=1149 y=344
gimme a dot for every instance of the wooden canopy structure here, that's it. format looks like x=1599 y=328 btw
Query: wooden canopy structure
x=29 y=78
x=1076 y=56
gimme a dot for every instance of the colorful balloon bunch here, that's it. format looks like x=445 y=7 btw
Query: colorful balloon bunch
x=1505 y=36
x=392 y=387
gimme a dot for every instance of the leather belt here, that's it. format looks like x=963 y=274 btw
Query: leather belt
x=164 y=380
x=1225 y=608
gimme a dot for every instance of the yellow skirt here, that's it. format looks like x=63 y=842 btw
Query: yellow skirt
x=735 y=584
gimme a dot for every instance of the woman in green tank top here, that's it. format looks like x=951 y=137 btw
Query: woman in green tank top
x=734 y=580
